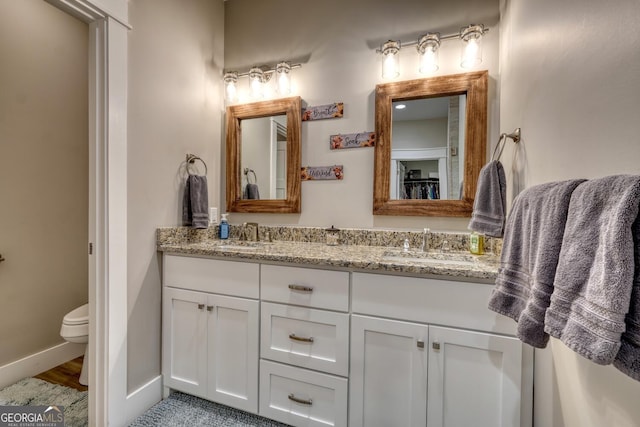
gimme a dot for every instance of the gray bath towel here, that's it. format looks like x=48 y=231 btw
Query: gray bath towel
x=195 y=203
x=489 y=206
x=628 y=357
x=251 y=192
x=532 y=241
x=594 y=280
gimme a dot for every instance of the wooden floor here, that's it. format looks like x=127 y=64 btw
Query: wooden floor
x=66 y=374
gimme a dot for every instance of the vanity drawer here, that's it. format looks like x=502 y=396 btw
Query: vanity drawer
x=305 y=286
x=300 y=397
x=314 y=339
x=210 y=275
x=443 y=302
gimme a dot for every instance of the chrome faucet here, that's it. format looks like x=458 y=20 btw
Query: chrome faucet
x=426 y=234
x=249 y=231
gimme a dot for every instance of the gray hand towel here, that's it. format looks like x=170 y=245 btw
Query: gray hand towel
x=489 y=206
x=532 y=241
x=251 y=192
x=628 y=357
x=594 y=280
x=195 y=203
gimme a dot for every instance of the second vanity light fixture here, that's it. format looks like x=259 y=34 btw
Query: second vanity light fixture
x=258 y=77
x=428 y=46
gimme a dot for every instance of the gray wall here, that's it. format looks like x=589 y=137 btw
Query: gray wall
x=43 y=174
x=570 y=74
x=335 y=41
x=175 y=107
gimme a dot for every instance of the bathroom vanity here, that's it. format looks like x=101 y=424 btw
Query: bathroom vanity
x=309 y=334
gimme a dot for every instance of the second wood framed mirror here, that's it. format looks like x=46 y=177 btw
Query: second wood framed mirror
x=263 y=156
x=430 y=166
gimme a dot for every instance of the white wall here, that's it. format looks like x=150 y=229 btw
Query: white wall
x=569 y=76
x=175 y=61
x=414 y=134
x=335 y=40
x=43 y=174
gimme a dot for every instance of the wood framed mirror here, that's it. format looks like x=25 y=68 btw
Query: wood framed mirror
x=418 y=171
x=263 y=149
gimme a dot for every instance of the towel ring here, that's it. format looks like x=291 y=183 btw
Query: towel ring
x=515 y=136
x=246 y=173
x=191 y=158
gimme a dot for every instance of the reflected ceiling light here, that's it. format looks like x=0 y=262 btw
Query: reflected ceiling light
x=428 y=47
x=259 y=76
x=390 y=59
x=472 y=45
x=401 y=106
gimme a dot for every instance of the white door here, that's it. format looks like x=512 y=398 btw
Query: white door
x=233 y=325
x=388 y=382
x=474 y=379
x=184 y=359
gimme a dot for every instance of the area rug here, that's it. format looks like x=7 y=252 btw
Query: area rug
x=35 y=392
x=181 y=409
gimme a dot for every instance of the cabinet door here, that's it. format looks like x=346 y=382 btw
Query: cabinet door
x=388 y=382
x=233 y=351
x=474 y=379
x=184 y=361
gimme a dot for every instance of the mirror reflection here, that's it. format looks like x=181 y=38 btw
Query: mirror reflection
x=264 y=157
x=429 y=154
x=427 y=148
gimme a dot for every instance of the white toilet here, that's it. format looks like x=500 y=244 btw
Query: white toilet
x=75 y=328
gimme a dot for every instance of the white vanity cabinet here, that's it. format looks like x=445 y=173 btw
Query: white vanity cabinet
x=304 y=346
x=210 y=329
x=415 y=372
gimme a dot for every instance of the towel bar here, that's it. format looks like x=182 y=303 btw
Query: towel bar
x=191 y=158
x=515 y=136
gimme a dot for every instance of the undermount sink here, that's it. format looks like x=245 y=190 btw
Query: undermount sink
x=240 y=245
x=440 y=258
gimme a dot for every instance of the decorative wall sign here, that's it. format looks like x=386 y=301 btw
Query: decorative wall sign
x=311 y=173
x=319 y=112
x=352 y=140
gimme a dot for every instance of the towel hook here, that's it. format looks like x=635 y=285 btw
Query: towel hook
x=515 y=136
x=191 y=158
x=246 y=173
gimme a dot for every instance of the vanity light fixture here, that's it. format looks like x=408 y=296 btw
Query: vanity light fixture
x=428 y=46
x=259 y=76
x=390 y=59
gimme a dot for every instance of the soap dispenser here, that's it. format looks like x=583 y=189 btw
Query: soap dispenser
x=476 y=243
x=223 y=228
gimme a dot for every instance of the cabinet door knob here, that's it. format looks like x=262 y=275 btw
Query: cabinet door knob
x=200 y=306
x=209 y=308
x=435 y=345
x=300 y=401
x=301 y=339
x=300 y=288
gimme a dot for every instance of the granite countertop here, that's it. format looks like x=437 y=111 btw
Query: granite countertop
x=458 y=265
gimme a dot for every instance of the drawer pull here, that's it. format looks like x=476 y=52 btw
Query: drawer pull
x=301 y=288
x=300 y=401
x=301 y=339
x=200 y=306
x=209 y=308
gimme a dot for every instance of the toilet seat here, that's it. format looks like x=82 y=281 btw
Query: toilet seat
x=79 y=316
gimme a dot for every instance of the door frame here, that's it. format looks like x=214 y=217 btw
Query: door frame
x=107 y=206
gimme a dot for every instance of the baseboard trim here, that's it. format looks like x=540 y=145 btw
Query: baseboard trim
x=143 y=398
x=39 y=362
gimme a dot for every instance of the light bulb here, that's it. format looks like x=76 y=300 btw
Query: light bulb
x=428 y=47
x=390 y=60
x=231 y=92
x=283 y=70
x=472 y=52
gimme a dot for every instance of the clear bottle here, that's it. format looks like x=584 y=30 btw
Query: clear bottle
x=476 y=243
x=223 y=228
